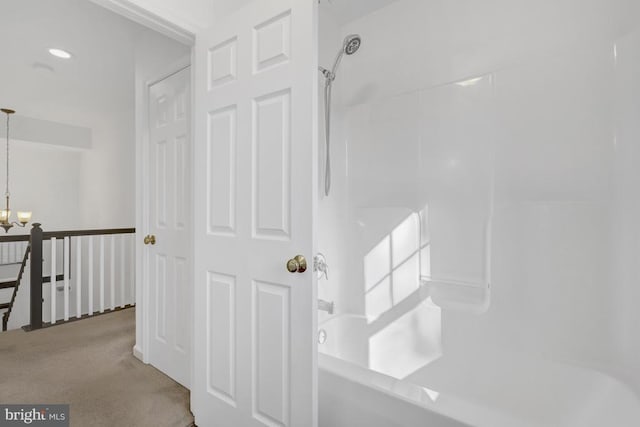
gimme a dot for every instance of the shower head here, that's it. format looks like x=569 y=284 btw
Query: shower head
x=351 y=44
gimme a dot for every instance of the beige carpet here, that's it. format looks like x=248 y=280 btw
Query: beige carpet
x=89 y=364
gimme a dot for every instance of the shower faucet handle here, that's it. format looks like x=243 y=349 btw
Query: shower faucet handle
x=320 y=266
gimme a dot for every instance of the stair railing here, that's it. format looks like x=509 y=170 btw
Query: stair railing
x=38 y=237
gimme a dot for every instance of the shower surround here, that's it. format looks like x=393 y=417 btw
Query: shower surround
x=481 y=227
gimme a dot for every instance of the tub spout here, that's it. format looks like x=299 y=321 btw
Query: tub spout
x=326 y=306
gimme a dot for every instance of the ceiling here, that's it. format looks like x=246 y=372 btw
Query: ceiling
x=98 y=80
x=343 y=10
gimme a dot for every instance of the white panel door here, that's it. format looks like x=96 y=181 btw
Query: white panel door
x=255 y=353
x=169 y=260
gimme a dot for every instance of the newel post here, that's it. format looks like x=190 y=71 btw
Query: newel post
x=36 y=277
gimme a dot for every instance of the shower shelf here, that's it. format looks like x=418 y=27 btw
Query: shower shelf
x=428 y=280
x=469 y=296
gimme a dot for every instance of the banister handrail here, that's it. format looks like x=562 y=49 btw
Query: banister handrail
x=46 y=235
x=15 y=238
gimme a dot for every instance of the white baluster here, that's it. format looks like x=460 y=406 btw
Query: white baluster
x=90 y=287
x=132 y=270
x=79 y=277
x=65 y=269
x=112 y=271
x=53 y=280
x=101 y=274
x=122 y=268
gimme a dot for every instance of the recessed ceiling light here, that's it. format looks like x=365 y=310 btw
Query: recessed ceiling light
x=60 y=53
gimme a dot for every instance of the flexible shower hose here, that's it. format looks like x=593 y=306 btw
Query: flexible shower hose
x=327 y=138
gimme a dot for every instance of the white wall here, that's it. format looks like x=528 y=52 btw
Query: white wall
x=625 y=198
x=551 y=122
x=46 y=181
x=222 y=8
x=107 y=190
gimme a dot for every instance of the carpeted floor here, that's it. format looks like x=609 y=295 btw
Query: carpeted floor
x=89 y=364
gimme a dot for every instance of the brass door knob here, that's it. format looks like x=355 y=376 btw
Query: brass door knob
x=149 y=239
x=297 y=264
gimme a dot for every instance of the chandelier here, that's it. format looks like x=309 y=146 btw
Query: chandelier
x=5 y=214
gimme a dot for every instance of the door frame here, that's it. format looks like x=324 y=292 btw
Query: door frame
x=182 y=32
x=170 y=26
x=173 y=28
x=141 y=348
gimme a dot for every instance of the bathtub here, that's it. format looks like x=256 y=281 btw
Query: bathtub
x=483 y=390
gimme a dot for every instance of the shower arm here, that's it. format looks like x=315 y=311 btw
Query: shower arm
x=328 y=75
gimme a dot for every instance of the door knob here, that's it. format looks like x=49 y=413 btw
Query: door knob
x=149 y=239
x=297 y=264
